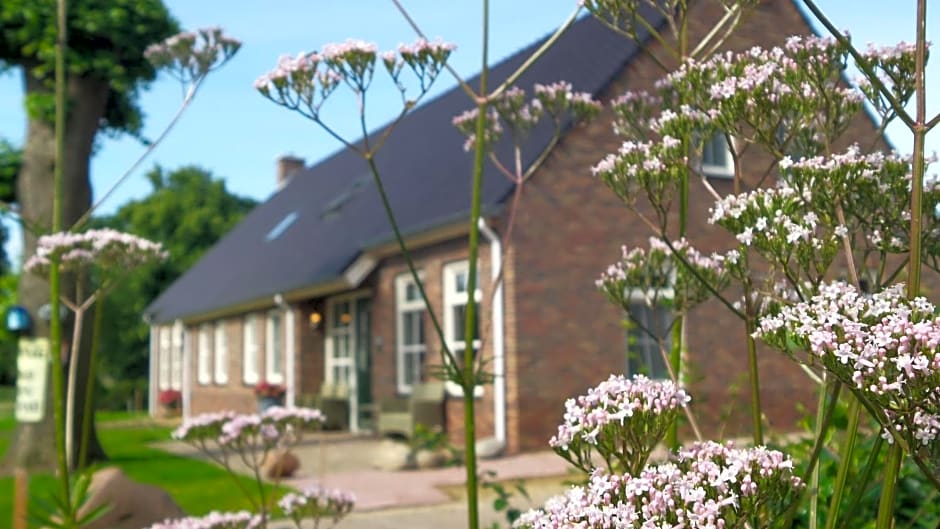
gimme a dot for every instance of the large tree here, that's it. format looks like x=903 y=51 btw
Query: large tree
x=106 y=69
x=188 y=211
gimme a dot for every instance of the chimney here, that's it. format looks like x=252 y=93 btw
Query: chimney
x=287 y=166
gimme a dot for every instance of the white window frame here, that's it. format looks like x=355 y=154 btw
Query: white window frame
x=405 y=306
x=725 y=170
x=176 y=356
x=164 y=342
x=220 y=354
x=250 y=349
x=453 y=298
x=274 y=347
x=203 y=358
x=637 y=298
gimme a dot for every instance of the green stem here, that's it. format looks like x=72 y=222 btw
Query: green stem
x=468 y=371
x=90 y=385
x=847 y=449
x=55 y=287
x=920 y=133
x=751 y=325
x=675 y=363
x=889 y=487
x=814 y=476
x=861 y=484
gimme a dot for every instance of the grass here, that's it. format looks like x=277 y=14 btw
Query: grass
x=197 y=486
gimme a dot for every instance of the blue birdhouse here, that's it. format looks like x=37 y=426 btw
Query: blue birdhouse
x=18 y=319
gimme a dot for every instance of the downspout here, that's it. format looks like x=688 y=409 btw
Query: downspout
x=499 y=342
x=290 y=398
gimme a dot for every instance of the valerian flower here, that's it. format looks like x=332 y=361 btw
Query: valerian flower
x=104 y=248
x=190 y=56
x=317 y=503
x=884 y=346
x=622 y=420
x=214 y=520
x=708 y=485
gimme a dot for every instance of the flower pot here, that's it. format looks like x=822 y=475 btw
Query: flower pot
x=267 y=402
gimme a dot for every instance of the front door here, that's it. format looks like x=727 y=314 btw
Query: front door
x=347 y=351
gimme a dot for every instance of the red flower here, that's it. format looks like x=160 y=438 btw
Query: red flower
x=169 y=397
x=266 y=389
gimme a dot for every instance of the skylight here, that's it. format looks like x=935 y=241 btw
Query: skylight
x=282 y=226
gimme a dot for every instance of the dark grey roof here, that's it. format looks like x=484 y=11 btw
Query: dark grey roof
x=334 y=210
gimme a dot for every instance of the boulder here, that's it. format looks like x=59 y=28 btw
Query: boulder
x=281 y=464
x=431 y=458
x=490 y=448
x=392 y=455
x=132 y=505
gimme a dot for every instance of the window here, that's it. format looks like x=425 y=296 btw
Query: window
x=651 y=327
x=456 y=276
x=281 y=227
x=163 y=375
x=221 y=354
x=274 y=350
x=203 y=369
x=250 y=350
x=410 y=345
x=176 y=357
x=716 y=158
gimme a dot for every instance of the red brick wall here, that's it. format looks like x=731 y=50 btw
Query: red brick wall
x=566 y=337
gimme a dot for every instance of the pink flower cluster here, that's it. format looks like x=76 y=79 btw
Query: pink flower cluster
x=647 y=275
x=317 y=503
x=277 y=425
x=883 y=345
x=620 y=412
x=709 y=485
x=304 y=82
x=191 y=55
x=214 y=520
x=513 y=111
x=105 y=248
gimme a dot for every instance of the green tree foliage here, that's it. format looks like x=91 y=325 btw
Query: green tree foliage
x=188 y=211
x=106 y=40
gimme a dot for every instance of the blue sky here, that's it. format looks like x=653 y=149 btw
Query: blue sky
x=237 y=134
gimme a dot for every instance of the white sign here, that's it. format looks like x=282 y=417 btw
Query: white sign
x=32 y=368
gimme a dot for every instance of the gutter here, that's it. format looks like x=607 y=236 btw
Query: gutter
x=499 y=342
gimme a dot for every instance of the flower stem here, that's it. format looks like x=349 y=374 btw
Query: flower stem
x=847 y=449
x=886 y=502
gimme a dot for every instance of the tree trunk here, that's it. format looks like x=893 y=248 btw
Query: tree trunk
x=33 y=445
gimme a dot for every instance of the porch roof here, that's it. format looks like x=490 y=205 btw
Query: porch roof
x=311 y=232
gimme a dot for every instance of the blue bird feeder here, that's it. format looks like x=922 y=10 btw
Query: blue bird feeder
x=18 y=319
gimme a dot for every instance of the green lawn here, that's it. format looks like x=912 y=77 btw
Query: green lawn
x=198 y=487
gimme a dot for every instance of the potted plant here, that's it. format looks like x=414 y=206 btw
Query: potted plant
x=269 y=395
x=169 y=401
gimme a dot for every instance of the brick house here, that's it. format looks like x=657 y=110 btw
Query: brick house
x=310 y=286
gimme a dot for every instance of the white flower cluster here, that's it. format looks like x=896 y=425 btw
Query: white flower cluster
x=317 y=503
x=275 y=425
x=304 y=82
x=884 y=346
x=213 y=520
x=709 y=485
x=192 y=55
x=518 y=114
x=620 y=412
x=105 y=248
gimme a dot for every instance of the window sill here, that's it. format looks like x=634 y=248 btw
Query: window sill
x=454 y=390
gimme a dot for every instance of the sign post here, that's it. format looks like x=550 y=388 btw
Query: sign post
x=32 y=369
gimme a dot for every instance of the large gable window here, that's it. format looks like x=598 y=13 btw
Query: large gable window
x=717 y=160
x=456 y=296
x=410 y=348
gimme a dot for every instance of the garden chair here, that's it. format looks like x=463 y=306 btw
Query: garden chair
x=425 y=405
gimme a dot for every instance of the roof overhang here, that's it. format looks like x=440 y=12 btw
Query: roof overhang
x=350 y=278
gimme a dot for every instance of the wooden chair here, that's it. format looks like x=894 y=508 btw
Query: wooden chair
x=333 y=401
x=425 y=405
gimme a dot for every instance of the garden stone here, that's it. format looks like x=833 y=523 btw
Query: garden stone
x=490 y=448
x=392 y=455
x=132 y=505
x=430 y=458
x=282 y=464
